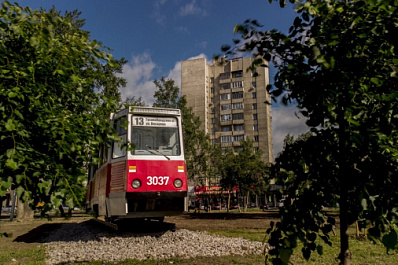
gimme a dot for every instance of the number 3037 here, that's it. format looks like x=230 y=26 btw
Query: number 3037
x=157 y=180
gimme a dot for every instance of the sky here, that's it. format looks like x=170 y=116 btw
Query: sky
x=156 y=35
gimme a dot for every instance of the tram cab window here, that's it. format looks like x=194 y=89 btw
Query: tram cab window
x=119 y=148
x=155 y=136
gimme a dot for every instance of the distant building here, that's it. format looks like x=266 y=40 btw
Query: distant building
x=230 y=102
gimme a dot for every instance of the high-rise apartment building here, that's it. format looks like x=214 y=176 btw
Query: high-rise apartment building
x=230 y=101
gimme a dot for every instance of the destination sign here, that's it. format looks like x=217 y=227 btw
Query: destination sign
x=154 y=121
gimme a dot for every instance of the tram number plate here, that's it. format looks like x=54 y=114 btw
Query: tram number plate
x=157 y=180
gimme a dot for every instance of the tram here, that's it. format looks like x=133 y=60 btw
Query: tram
x=148 y=180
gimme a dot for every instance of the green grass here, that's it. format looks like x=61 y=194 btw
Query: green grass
x=363 y=251
x=27 y=255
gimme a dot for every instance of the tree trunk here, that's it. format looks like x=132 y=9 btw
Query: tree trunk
x=345 y=254
x=61 y=210
x=24 y=212
x=246 y=202
x=229 y=201
x=1 y=204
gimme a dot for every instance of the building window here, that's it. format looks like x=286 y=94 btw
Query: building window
x=238 y=105
x=238 y=138
x=226 y=107
x=237 y=95
x=212 y=80
x=255 y=127
x=224 y=76
x=239 y=127
x=225 y=86
x=238 y=116
x=254 y=95
x=212 y=100
x=238 y=149
x=212 y=89
x=226 y=128
x=237 y=84
x=225 y=96
x=256 y=138
x=226 y=139
x=255 y=106
x=238 y=74
x=255 y=149
x=226 y=117
x=254 y=84
x=254 y=116
x=213 y=120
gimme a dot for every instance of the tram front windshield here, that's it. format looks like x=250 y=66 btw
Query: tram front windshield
x=155 y=136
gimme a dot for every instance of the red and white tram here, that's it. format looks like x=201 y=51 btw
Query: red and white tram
x=150 y=181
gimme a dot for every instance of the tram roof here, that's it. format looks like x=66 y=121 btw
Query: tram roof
x=147 y=111
x=155 y=110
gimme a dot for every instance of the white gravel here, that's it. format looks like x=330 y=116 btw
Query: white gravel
x=77 y=242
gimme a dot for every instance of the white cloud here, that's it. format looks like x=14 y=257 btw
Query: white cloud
x=184 y=30
x=157 y=14
x=285 y=121
x=138 y=73
x=203 y=44
x=192 y=9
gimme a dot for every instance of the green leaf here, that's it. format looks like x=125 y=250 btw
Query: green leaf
x=306 y=253
x=12 y=94
x=10 y=153
x=364 y=204
x=375 y=80
x=19 y=190
x=59 y=71
x=11 y=164
x=75 y=78
x=390 y=240
x=19 y=178
x=311 y=236
x=10 y=126
x=285 y=254
x=319 y=249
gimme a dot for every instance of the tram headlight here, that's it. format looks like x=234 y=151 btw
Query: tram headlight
x=136 y=184
x=177 y=183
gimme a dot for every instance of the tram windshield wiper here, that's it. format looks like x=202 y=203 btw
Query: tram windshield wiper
x=156 y=152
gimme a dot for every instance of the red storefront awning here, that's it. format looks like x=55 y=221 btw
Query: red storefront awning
x=212 y=190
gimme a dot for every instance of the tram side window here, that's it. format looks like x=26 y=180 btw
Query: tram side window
x=119 y=148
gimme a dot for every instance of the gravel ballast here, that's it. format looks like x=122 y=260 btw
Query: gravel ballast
x=79 y=242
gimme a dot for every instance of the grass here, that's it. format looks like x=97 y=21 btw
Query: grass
x=29 y=256
x=363 y=251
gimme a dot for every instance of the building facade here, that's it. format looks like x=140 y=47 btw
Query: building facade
x=230 y=102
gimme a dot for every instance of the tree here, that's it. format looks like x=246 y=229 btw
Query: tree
x=133 y=101
x=244 y=169
x=338 y=63
x=197 y=144
x=57 y=89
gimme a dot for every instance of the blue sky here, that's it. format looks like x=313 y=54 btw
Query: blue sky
x=155 y=36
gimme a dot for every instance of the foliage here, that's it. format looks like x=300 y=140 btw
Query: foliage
x=339 y=65
x=57 y=88
x=133 y=101
x=197 y=144
x=244 y=169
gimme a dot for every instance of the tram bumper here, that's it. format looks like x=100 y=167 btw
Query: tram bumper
x=146 y=204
